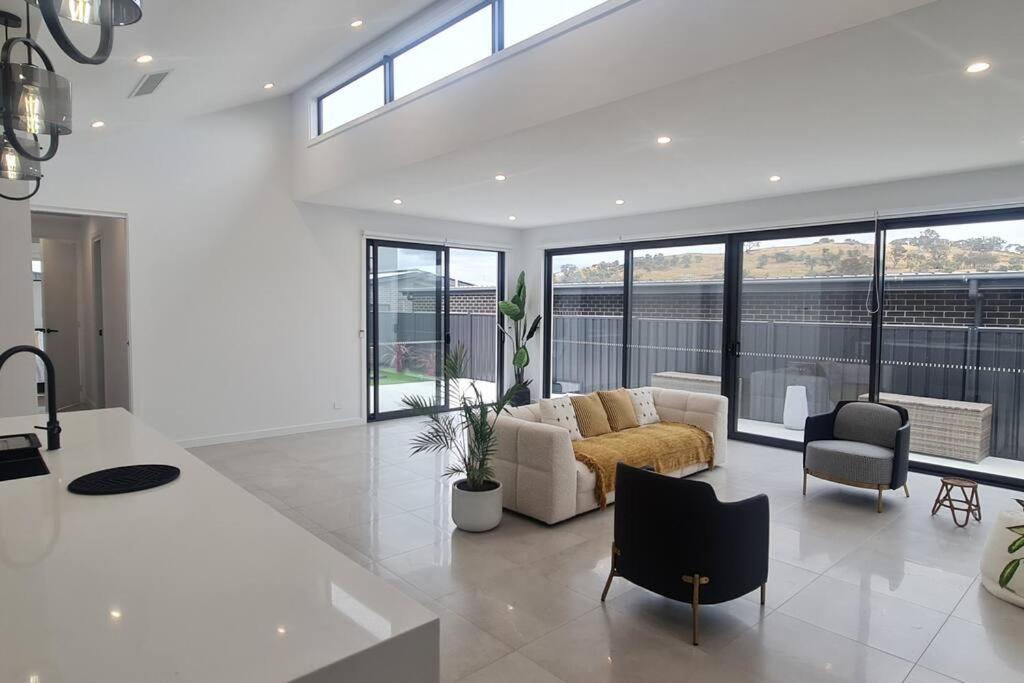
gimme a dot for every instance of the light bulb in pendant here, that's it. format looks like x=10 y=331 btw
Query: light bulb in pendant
x=10 y=166
x=31 y=111
x=80 y=11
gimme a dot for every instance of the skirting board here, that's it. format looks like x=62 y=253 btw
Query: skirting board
x=268 y=433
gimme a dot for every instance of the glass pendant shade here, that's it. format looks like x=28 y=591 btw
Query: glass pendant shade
x=38 y=100
x=124 y=12
x=13 y=166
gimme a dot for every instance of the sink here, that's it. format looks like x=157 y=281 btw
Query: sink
x=20 y=457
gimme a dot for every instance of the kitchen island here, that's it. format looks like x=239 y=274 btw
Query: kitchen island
x=194 y=581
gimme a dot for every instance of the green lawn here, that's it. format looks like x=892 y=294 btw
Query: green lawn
x=389 y=376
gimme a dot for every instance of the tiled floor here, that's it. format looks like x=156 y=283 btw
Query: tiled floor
x=852 y=595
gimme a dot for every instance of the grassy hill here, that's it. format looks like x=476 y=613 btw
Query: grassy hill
x=926 y=253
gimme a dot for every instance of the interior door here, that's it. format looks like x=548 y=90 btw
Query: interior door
x=406 y=314
x=60 y=316
x=97 y=322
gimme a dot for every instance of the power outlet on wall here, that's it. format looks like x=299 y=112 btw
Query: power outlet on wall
x=337 y=405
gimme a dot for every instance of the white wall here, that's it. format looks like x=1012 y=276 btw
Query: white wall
x=245 y=306
x=17 y=379
x=938 y=194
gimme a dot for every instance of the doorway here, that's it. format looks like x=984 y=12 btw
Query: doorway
x=80 y=280
x=423 y=302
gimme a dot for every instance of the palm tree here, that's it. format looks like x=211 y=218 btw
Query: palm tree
x=468 y=431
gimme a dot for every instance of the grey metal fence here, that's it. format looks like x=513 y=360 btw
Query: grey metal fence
x=983 y=365
x=477 y=332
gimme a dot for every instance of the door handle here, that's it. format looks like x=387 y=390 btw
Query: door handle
x=46 y=330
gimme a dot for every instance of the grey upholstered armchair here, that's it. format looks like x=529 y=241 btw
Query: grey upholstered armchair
x=859 y=444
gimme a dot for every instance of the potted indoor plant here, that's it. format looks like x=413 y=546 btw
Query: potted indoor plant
x=467 y=432
x=520 y=333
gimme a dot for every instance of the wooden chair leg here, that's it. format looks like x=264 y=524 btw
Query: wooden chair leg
x=880 y=506
x=696 y=615
x=764 y=587
x=697 y=580
x=608 y=584
x=906 y=490
x=611 y=574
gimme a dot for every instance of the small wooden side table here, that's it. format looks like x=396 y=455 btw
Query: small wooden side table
x=969 y=503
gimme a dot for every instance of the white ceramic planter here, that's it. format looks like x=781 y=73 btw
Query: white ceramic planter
x=794 y=414
x=996 y=557
x=476 y=510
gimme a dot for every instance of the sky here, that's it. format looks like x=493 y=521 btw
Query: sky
x=469 y=265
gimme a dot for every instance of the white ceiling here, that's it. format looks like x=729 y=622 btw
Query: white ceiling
x=884 y=100
x=221 y=53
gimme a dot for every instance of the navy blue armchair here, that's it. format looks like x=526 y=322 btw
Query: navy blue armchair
x=675 y=538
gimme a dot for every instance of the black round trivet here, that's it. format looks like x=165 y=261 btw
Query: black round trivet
x=124 y=480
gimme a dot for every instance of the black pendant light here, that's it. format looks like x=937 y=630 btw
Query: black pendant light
x=34 y=101
x=103 y=13
x=15 y=167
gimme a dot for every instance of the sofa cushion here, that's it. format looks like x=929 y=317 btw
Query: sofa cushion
x=618 y=406
x=643 y=406
x=868 y=422
x=590 y=415
x=850 y=461
x=558 y=412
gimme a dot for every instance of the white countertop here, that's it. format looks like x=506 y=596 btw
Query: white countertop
x=194 y=581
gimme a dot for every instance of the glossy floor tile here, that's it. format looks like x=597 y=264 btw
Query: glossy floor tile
x=852 y=595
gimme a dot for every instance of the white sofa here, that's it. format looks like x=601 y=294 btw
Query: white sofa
x=540 y=475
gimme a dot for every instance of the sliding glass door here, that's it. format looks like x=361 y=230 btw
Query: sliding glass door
x=675 y=314
x=953 y=337
x=407 y=320
x=585 y=334
x=423 y=301
x=804 y=333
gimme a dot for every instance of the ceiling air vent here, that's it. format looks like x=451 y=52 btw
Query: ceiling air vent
x=149 y=83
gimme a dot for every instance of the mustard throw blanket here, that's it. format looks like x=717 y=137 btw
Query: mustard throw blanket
x=665 y=446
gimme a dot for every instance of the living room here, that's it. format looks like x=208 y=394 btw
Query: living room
x=351 y=225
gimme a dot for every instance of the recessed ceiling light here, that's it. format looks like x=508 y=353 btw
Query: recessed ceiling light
x=620 y=202
x=978 y=67
x=512 y=218
x=774 y=178
x=98 y=124
x=501 y=176
x=396 y=201
x=281 y=630
x=144 y=59
x=268 y=86
x=664 y=140
x=358 y=23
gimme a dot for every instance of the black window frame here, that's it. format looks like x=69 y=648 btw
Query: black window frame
x=732 y=303
x=388 y=60
x=320 y=100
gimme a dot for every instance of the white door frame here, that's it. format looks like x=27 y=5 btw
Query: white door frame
x=40 y=208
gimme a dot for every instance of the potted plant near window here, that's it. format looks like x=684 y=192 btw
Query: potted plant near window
x=520 y=334
x=468 y=434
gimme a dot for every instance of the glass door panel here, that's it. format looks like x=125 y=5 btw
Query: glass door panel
x=953 y=337
x=407 y=338
x=675 y=336
x=804 y=330
x=586 y=323
x=472 y=319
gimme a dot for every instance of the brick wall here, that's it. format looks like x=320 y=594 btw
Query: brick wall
x=1000 y=308
x=474 y=301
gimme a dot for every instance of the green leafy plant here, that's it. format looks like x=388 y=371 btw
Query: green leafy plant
x=466 y=432
x=1016 y=546
x=520 y=333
